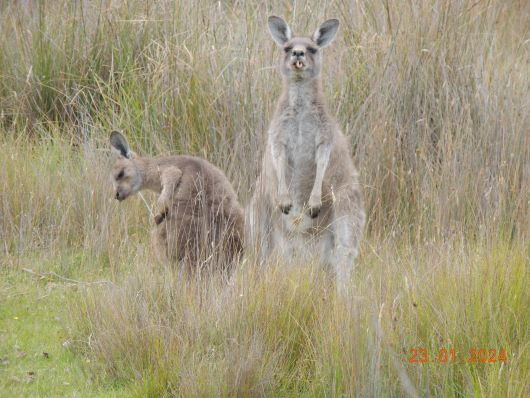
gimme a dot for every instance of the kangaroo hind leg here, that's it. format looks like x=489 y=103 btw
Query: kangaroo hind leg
x=348 y=224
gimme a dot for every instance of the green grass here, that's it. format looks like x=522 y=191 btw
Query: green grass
x=151 y=333
x=36 y=339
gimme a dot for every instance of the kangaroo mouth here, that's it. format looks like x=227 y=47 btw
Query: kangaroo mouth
x=298 y=65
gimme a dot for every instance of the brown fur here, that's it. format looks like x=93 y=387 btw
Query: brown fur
x=199 y=219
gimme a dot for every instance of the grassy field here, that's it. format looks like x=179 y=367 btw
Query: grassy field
x=435 y=98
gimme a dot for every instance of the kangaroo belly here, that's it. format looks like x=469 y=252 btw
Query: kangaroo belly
x=198 y=229
x=299 y=222
x=301 y=173
x=301 y=183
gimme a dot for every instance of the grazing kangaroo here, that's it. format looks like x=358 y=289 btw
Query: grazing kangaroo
x=199 y=217
x=307 y=200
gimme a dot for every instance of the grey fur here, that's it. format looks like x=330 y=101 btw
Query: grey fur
x=307 y=202
x=119 y=144
x=198 y=220
x=325 y=34
x=280 y=31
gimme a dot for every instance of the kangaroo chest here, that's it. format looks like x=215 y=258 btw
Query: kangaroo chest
x=300 y=136
x=300 y=132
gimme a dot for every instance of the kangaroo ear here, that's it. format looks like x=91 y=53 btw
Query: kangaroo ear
x=280 y=31
x=325 y=34
x=120 y=145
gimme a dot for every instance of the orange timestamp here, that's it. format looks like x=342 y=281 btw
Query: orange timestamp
x=444 y=355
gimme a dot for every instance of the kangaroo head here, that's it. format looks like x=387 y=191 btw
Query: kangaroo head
x=302 y=58
x=126 y=173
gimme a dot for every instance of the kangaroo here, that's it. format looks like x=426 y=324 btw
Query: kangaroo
x=307 y=201
x=198 y=214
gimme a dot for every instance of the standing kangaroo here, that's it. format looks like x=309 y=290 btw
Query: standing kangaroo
x=199 y=217
x=307 y=199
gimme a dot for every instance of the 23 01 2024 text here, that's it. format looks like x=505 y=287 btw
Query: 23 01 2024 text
x=449 y=355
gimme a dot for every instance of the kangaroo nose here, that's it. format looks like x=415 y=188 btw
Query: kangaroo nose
x=298 y=53
x=118 y=195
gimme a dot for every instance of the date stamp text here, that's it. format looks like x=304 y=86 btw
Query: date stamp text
x=449 y=355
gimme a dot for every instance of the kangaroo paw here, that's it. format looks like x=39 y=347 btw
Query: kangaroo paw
x=161 y=216
x=285 y=204
x=315 y=204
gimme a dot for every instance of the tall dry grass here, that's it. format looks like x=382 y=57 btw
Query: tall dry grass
x=434 y=96
x=284 y=332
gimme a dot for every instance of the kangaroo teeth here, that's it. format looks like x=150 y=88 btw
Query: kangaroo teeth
x=299 y=64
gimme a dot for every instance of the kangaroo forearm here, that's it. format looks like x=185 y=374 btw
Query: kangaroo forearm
x=169 y=180
x=280 y=167
x=322 y=161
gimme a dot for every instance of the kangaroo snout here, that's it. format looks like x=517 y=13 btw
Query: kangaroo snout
x=298 y=59
x=298 y=53
x=120 y=196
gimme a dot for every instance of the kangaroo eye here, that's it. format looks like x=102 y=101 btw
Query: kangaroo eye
x=312 y=50
x=120 y=175
x=287 y=49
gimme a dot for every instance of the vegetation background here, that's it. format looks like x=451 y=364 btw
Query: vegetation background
x=434 y=96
